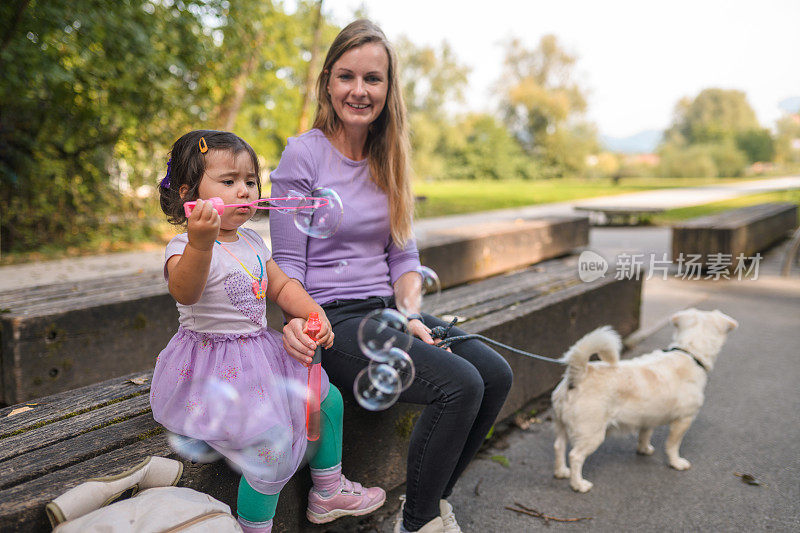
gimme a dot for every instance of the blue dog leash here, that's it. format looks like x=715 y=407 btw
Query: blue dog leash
x=441 y=332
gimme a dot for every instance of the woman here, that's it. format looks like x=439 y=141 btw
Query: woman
x=359 y=147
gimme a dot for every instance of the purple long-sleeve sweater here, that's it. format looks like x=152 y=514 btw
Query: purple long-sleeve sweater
x=360 y=260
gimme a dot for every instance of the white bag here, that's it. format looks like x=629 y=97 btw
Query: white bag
x=153 y=508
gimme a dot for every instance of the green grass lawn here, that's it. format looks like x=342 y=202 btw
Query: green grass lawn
x=456 y=197
x=675 y=215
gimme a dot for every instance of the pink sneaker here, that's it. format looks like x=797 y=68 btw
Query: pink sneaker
x=351 y=499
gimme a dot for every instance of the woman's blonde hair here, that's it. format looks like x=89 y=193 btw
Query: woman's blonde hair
x=387 y=141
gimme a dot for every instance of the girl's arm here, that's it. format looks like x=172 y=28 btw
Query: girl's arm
x=295 y=302
x=188 y=272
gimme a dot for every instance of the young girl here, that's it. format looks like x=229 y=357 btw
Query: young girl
x=225 y=377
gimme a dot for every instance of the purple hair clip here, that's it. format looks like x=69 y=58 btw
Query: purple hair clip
x=165 y=181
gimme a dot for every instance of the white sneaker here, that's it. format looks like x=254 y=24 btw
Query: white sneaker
x=434 y=526
x=448 y=518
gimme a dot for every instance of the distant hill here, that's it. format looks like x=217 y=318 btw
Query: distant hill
x=644 y=142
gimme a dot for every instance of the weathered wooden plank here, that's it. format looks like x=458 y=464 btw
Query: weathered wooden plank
x=72 y=451
x=468 y=253
x=49 y=409
x=40 y=437
x=457 y=298
x=67 y=335
x=744 y=231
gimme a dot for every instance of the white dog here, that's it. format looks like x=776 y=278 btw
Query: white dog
x=662 y=387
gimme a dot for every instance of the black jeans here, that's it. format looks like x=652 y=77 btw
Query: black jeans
x=462 y=392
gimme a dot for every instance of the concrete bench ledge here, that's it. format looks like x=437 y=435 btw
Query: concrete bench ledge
x=619 y=215
x=746 y=231
x=107 y=427
x=62 y=336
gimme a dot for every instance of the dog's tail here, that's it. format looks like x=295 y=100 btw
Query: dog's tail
x=604 y=341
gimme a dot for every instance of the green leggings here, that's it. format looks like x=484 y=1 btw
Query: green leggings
x=256 y=507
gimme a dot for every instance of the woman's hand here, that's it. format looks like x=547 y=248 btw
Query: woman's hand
x=203 y=227
x=422 y=332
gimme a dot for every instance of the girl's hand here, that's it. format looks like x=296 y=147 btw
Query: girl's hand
x=325 y=336
x=203 y=227
x=297 y=343
x=422 y=332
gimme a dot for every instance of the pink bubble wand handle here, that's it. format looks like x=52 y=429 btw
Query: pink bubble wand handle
x=188 y=207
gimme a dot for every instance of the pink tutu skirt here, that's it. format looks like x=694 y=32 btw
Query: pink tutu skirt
x=242 y=394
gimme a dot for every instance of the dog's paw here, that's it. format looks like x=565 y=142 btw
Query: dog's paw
x=680 y=464
x=646 y=451
x=561 y=473
x=581 y=485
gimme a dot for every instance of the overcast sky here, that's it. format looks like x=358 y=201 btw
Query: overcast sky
x=636 y=58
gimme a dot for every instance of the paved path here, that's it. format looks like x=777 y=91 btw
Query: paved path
x=90 y=267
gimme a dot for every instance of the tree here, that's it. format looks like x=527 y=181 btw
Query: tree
x=757 y=145
x=487 y=151
x=265 y=70
x=544 y=106
x=714 y=115
x=787 y=139
x=82 y=81
x=431 y=78
x=93 y=94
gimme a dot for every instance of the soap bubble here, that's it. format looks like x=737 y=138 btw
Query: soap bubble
x=268 y=414
x=340 y=266
x=324 y=219
x=269 y=455
x=195 y=450
x=401 y=362
x=384 y=378
x=212 y=407
x=423 y=293
x=289 y=203
x=369 y=394
x=213 y=410
x=380 y=331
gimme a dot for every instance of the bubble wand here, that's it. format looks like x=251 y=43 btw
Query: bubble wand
x=218 y=204
x=313 y=327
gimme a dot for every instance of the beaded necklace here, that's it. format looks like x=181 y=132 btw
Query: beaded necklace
x=259 y=283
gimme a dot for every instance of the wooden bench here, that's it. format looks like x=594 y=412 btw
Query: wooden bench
x=745 y=231
x=105 y=428
x=62 y=336
x=619 y=215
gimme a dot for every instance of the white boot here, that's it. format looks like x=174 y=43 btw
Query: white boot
x=448 y=518
x=434 y=526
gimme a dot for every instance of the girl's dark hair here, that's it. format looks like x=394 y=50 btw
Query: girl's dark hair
x=188 y=164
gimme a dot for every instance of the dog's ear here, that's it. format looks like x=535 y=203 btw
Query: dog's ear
x=683 y=319
x=726 y=322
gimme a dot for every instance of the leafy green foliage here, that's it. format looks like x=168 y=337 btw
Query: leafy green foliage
x=94 y=93
x=714 y=115
x=757 y=145
x=543 y=106
x=473 y=146
x=82 y=79
x=714 y=134
x=787 y=140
